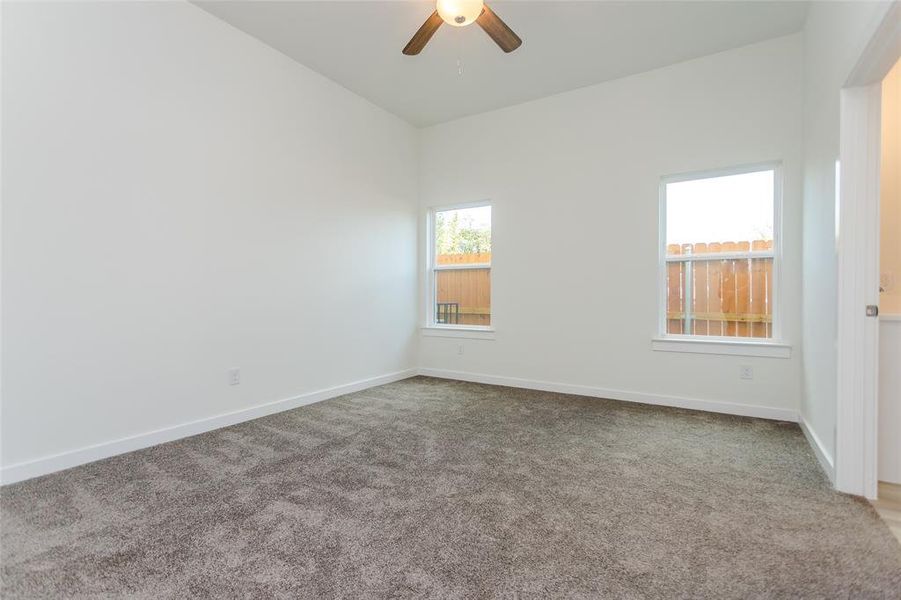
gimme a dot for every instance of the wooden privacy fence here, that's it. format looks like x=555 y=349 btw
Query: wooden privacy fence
x=725 y=294
x=710 y=291
x=463 y=295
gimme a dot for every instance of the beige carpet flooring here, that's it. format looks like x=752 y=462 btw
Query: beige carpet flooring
x=443 y=489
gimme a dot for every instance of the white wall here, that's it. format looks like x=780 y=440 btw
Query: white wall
x=835 y=35
x=574 y=180
x=179 y=199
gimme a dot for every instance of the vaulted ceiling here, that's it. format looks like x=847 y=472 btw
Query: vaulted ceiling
x=567 y=45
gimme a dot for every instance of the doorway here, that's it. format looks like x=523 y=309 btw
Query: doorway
x=888 y=414
x=859 y=413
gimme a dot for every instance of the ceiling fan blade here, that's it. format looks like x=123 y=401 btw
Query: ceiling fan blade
x=423 y=35
x=498 y=30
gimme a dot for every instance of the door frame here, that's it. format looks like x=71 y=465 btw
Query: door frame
x=858 y=261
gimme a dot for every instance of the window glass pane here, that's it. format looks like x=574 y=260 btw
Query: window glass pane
x=730 y=297
x=463 y=295
x=463 y=235
x=720 y=214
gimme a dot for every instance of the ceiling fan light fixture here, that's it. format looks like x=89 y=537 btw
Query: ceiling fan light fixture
x=460 y=13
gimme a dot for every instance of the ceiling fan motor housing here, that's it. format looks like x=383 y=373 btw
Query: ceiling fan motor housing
x=459 y=13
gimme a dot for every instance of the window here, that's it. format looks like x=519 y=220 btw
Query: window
x=719 y=238
x=460 y=266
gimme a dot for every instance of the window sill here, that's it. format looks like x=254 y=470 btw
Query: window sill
x=451 y=331
x=722 y=346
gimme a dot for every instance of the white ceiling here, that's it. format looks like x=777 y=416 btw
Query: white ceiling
x=566 y=45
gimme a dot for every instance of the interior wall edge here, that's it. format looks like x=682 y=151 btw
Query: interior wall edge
x=819 y=450
x=835 y=35
x=66 y=460
x=714 y=406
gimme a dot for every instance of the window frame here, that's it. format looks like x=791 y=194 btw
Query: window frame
x=774 y=346
x=432 y=327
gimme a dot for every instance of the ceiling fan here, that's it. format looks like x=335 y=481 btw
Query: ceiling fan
x=461 y=13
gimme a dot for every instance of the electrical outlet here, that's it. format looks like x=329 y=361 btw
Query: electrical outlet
x=234 y=376
x=460 y=349
x=746 y=372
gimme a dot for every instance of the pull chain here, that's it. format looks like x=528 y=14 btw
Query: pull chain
x=458 y=42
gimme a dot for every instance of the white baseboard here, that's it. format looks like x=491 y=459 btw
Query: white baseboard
x=729 y=408
x=73 y=458
x=66 y=460
x=819 y=450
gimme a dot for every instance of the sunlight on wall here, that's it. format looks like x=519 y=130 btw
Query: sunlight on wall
x=890 y=203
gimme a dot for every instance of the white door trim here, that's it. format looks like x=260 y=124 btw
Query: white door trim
x=858 y=285
x=858 y=262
